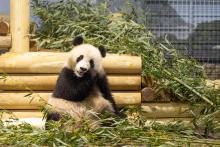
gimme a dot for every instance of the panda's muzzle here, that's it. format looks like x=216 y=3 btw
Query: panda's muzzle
x=81 y=68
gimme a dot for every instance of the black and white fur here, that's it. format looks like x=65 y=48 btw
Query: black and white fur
x=82 y=84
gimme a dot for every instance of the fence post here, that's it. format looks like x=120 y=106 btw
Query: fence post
x=19 y=25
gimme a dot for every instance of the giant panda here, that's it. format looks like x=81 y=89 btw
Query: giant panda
x=82 y=84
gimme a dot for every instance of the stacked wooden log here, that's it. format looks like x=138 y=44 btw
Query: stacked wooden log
x=28 y=79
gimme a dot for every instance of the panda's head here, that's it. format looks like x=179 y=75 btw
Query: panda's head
x=85 y=58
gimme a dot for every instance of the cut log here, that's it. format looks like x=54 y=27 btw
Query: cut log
x=166 y=121
x=19 y=25
x=21 y=114
x=150 y=95
x=147 y=94
x=47 y=82
x=4 y=28
x=22 y=100
x=213 y=83
x=166 y=110
x=212 y=70
x=47 y=62
x=5 y=41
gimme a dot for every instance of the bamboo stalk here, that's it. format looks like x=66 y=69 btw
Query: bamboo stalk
x=190 y=88
x=25 y=100
x=48 y=62
x=19 y=25
x=166 y=110
x=47 y=82
x=5 y=41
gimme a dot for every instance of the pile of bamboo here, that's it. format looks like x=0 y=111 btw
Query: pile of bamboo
x=32 y=76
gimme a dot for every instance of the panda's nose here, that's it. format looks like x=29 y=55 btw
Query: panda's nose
x=83 y=69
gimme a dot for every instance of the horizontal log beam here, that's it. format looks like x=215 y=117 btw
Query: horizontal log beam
x=166 y=110
x=21 y=114
x=37 y=114
x=5 y=41
x=17 y=100
x=47 y=82
x=213 y=83
x=166 y=121
x=35 y=118
x=48 y=62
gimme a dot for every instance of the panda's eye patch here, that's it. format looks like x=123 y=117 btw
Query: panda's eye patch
x=79 y=58
x=91 y=63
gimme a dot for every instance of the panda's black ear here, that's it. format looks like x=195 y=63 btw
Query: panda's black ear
x=102 y=50
x=78 y=40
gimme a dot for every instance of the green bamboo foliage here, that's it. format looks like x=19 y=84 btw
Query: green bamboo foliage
x=123 y=132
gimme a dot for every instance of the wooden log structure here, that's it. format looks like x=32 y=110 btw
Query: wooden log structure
x=47 y=62
x=47 y=82
x=38 y=71
x=22 y=100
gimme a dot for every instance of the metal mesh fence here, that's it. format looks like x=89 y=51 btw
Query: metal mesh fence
x=193 y=27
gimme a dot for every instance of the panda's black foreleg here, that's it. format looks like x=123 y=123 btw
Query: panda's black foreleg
x=103 y=85
x=53 y=116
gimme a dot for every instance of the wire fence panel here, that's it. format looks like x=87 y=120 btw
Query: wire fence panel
x=193 y=27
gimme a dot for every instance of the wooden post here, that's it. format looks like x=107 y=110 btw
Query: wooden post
x=19 y=25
